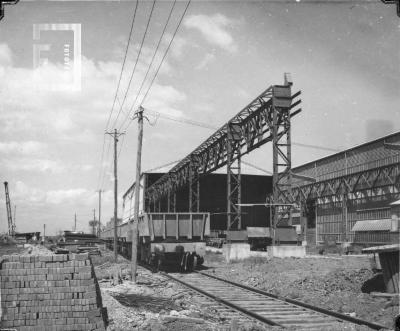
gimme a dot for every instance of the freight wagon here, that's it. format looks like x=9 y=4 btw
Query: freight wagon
x=166 y=240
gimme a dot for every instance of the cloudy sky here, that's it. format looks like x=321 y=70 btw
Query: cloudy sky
x=343 y=56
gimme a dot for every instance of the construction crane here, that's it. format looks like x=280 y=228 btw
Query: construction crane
x=11 y=224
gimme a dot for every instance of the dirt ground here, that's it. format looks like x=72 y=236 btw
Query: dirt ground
x=339 y=283
x=153 y=303
x=335 y=282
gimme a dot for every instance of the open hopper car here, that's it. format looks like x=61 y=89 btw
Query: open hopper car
x=167 y=240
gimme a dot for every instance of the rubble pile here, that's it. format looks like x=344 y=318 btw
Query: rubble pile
x=335 y=283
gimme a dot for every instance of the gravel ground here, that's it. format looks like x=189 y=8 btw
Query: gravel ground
x=336 y=283
x=154 y=302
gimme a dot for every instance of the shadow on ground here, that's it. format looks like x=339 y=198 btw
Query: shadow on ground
x=374 y=284
x=153 y=304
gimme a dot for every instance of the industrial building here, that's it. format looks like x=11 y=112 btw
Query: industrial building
x=345 y=197
x=351 y=196
x=213 y=188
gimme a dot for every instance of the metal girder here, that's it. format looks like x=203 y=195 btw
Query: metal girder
x=391 y=146
x=233 y=179
x=369 y=183
x=281 y=151
x=194 y=186
x=171 y=207
x=254 y=125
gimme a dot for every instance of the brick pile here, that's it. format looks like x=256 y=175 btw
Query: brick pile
x=50 y=293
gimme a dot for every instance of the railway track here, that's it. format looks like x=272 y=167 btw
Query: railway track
x=242 y=302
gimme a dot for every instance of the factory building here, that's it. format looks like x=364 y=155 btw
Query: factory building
x=351 y=196
x=213 y=192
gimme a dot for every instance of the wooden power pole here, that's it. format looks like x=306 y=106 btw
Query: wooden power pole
x=99 y=224
x=115 y=135
x=75 y=223
x=94 y=222
x=135 y=233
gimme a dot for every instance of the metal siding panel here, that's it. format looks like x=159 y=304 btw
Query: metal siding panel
x=373 y=225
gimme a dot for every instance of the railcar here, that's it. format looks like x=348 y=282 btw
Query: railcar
x=167 y=240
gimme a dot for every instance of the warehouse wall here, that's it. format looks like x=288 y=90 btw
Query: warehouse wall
x=360 y=158
x=332 y=224
x=213 y=199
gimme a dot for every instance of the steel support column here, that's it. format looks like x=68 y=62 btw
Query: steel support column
x=281 y=149
x=233 y=165
x=171 y=201
x=194 y=187
x=345 y=217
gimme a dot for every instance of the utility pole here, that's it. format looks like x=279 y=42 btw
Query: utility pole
x=15 y=216
x=75 y=223
x=135 y=233
x=99 y=224
x=94 y=222
x=11 y=224
x=44 y=232
x=115 y=134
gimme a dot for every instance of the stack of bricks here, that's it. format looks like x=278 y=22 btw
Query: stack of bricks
x=50 y=293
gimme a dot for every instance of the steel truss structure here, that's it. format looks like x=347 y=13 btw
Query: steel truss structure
x=364 y=186
x=265 y=119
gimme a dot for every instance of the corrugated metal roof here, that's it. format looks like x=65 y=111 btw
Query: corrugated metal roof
x=373 y=225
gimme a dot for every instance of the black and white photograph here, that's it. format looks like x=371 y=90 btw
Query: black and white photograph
x=173 y=165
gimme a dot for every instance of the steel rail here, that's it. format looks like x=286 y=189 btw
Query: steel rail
x=344 y=317
x=258 y=317
x=224 y=302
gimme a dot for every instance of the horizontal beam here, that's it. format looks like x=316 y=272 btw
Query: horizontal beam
x=372 y=179
x=249 y=129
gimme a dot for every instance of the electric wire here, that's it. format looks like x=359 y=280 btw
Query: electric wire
x=147 y=72
x=152 y=60
x=116 y=92
x=163 y=58
x=166 y=52
x=123 y=64
x=136 y=62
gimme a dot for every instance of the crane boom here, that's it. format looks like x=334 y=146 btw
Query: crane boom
x=11 y=225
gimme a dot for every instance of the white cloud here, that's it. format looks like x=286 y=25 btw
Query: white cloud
x=208 y=58
x=34 y=165
x=5 y=55
x=42 y=165
x=22 y=147
x=27 y=194
x=60 y=196
x=214 y=29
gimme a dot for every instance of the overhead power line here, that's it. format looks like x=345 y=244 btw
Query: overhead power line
x=123 y=63
x=207 y=126
x=116 y=93
x=163 y=58
x=166 y=52
x=152 y=60
x=136 y=62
